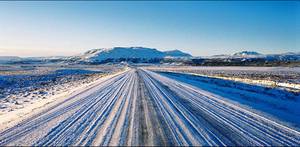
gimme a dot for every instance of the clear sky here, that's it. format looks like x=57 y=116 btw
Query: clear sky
x=199 y=28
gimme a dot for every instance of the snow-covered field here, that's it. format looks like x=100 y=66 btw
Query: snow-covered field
x=281 y=77
x=21 y=85
x=137 y=106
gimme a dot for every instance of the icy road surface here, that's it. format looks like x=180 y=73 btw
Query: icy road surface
x=139 y=107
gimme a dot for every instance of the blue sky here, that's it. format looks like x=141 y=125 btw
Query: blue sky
x=199 y=28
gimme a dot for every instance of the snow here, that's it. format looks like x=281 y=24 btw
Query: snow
x=282 y=77
x=290 y=56
x=141 y=107
x=176 y=53
x=10 y=118
x=248 y=54
x=96 y=55
x=277 y=103
x=23 y=85
x=7 y=59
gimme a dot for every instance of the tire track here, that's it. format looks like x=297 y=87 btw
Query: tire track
x=140 y=107
x=247 y=127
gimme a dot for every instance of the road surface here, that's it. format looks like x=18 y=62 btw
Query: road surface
x=139 y=107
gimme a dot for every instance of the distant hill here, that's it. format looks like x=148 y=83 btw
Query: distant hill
x=250 y=58
x=247 y=53
x=119 y=53
x=172 y=57
x=176 y=53
x=7 y=59
x=255 y=55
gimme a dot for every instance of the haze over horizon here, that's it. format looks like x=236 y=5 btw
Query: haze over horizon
x=198 y=28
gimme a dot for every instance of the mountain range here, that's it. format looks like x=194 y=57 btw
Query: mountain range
x=117 y=53
x=152 y=55
x=290 y=56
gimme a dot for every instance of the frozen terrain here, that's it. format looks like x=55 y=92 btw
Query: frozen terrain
x=141 y=107
x=281 y=77
x=26 y=84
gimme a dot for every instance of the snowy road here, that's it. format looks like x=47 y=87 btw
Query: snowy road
x=139 y=107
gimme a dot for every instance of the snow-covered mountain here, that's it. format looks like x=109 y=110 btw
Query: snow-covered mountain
x=242 y=54
x=177 y=53
x=248 y=54
x=290 y=56
x=151 y=55
x=115 y=54
x=5 y=59
x=98 y=55
x=255 y=55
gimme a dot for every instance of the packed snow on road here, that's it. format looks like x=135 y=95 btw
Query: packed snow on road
x=145 y=106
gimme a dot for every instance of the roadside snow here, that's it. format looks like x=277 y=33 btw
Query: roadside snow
x=283 y=77
x=270 y=83
x=12 y=113
x=276 y=103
